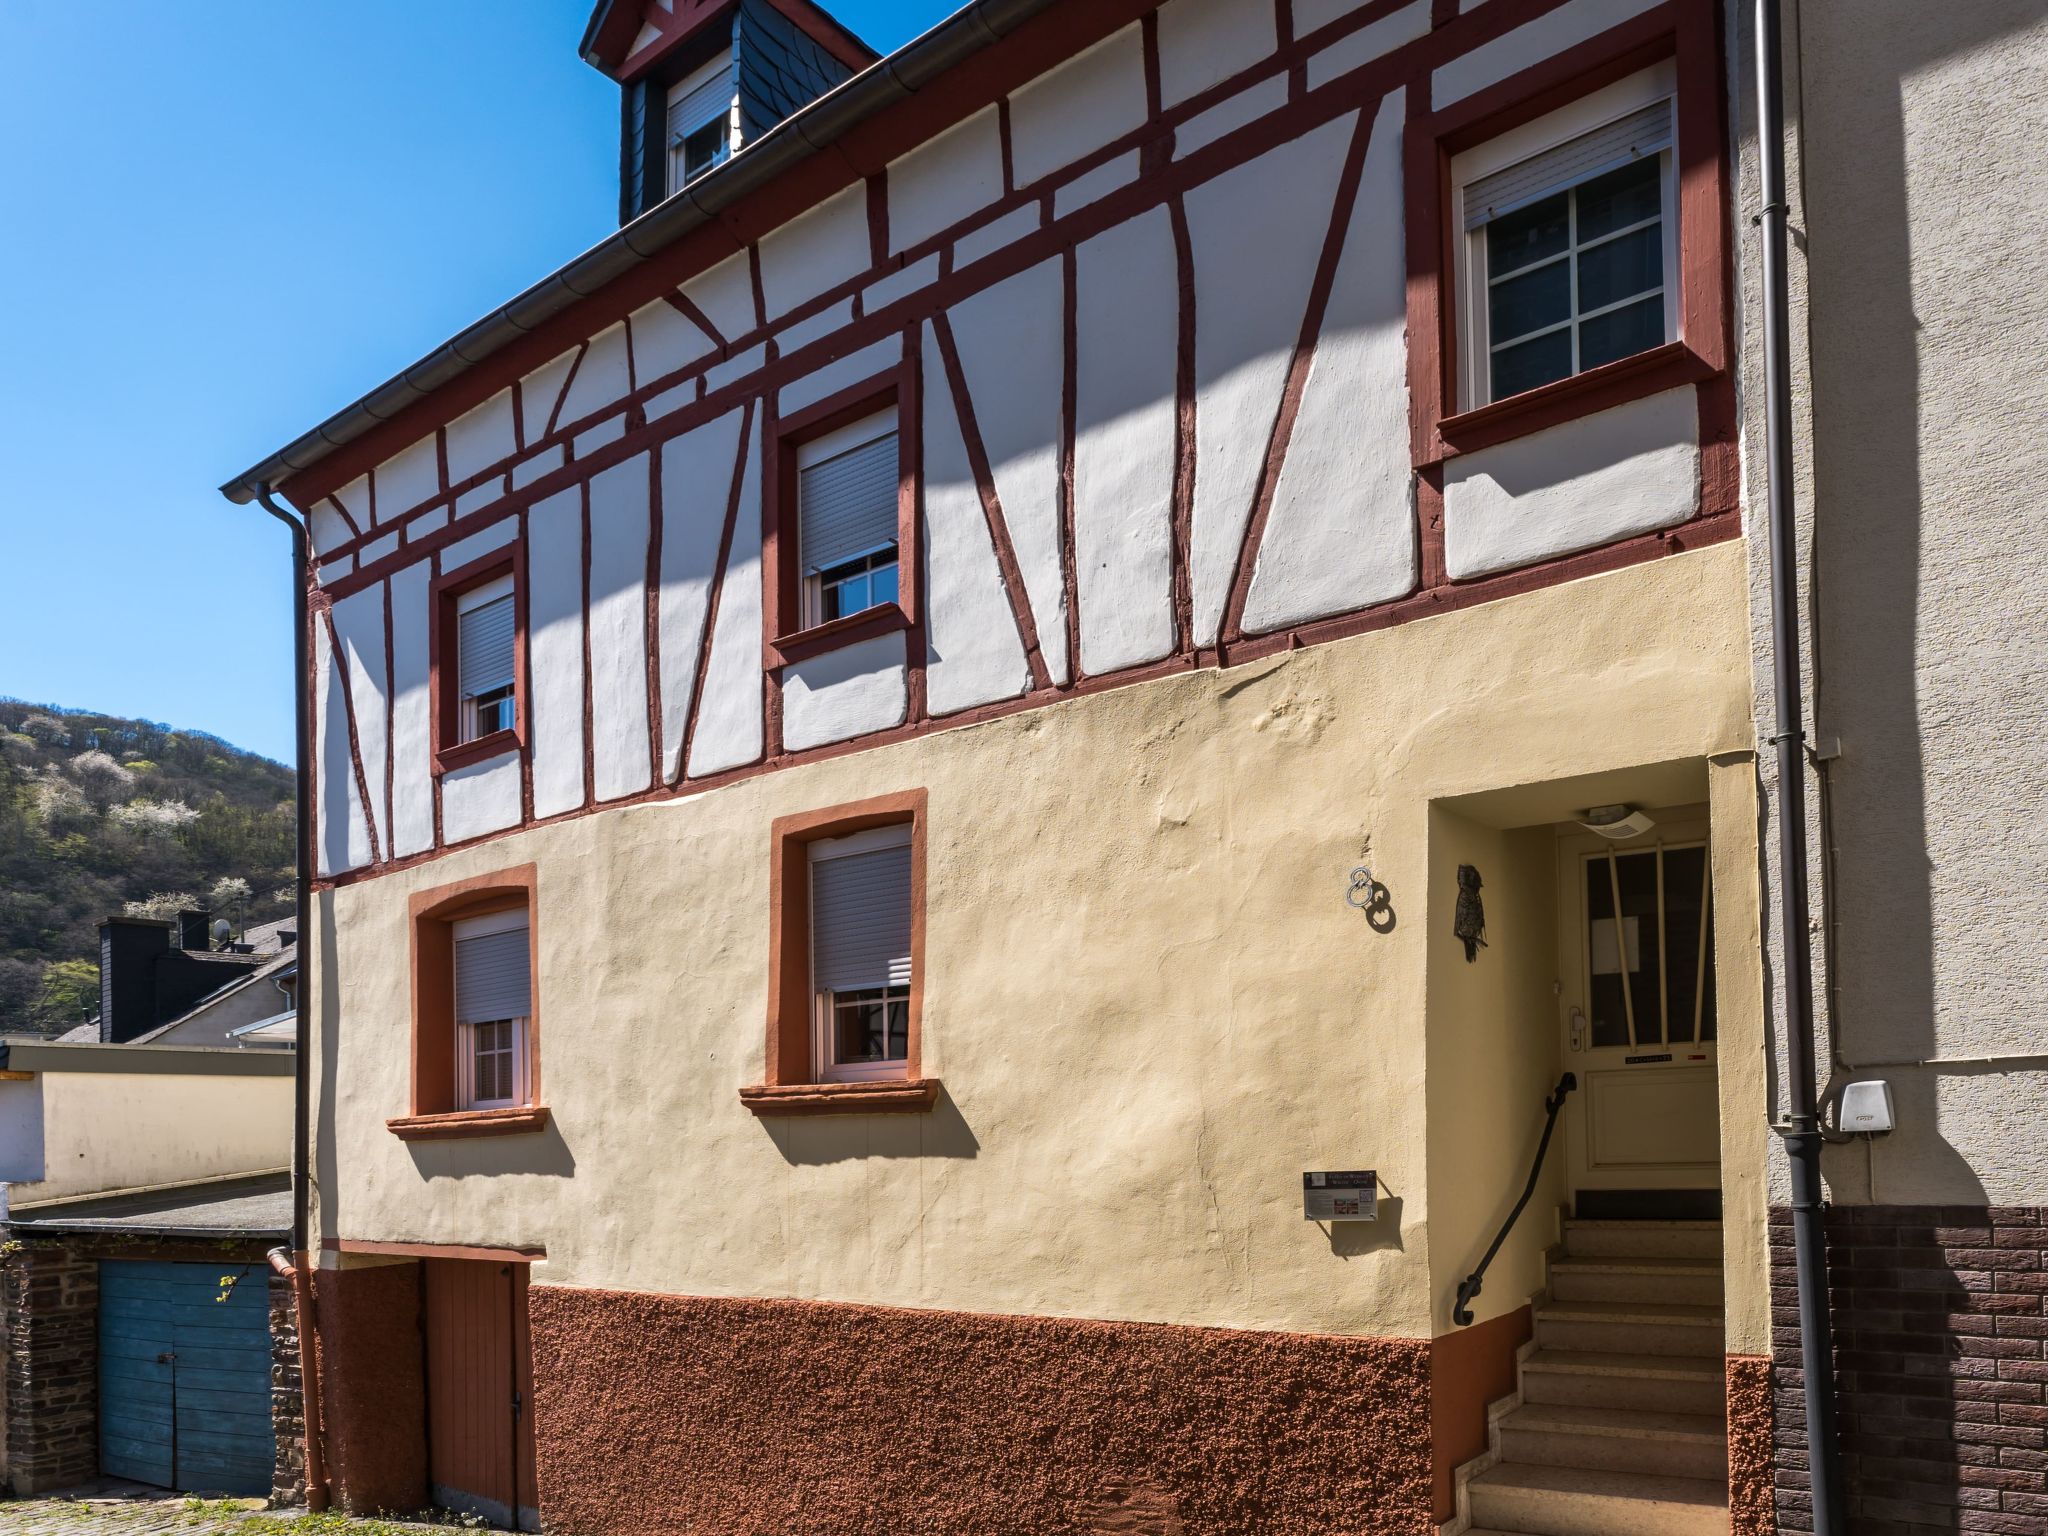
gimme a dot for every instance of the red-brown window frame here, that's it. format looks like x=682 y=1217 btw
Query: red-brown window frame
x=785 y=637
x=791 y=1086
x=1686 y=32
x=443 y=665
x=430 y=919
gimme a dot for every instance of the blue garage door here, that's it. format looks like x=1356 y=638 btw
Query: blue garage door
x=185 y=1375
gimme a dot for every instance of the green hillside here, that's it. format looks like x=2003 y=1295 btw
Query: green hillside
x=99 y=814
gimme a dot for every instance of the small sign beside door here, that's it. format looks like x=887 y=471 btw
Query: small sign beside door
x=1340 y=1196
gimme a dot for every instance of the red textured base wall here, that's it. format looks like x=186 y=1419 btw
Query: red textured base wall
x=661 y=1414
x=373 y=1391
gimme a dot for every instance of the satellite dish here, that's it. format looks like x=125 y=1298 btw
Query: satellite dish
x=221 y=931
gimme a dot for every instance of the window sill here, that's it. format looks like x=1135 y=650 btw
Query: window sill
x=463 y=753
x=465 y=1124
x=1598 y=389
x=897 y=1097
x=882 y=619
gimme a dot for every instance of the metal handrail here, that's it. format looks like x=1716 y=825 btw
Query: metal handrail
x=1469 y=1287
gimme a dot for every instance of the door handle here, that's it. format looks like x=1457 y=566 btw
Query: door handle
x=166 y=1359
x=1578 y=1022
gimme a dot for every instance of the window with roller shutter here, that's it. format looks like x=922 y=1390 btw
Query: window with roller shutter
x=493 y=1001
x=478 y=657
x=847 y=519
x=861 y=968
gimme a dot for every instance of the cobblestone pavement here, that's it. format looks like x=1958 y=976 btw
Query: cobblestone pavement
x=179 y=1516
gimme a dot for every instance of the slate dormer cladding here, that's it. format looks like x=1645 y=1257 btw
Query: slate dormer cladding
x=782 y=69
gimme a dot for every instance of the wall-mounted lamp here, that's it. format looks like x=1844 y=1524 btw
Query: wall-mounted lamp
x=1617 y=823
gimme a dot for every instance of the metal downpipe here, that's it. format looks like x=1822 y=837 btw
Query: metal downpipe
x=1801 y=1130
x=300 y=1270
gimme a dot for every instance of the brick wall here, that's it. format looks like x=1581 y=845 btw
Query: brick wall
x=287 y=1404
x=1941 y=1368
x=49 y=1304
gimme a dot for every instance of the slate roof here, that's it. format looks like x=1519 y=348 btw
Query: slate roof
x=258 y=1205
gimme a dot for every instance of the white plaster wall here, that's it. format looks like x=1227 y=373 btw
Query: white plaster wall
x=1553 y=32
x=344 y=840
x=996 y=235
x=1093 y=98
x=1257 y=233
x=1204 y=42
x=1369 y=43
x=481 y=437
x=604 y=376
x=359 y=625
x=845 y=693
x=412 y=740
x=921 y=273
x=725 y=293
x=1092 y=186
x=21 y=1131
x=476 y=545
x=696 y=485
x=480 y=797
x=939 y=183
x=620 y=757
x=1341 y=530
x=541 y=390
x=974 y=654
x=355 y=497
x=325 y=528
x=1586 y=482
x=730 y=727
x=1125 y=426
x=844 y=373
x=816 y=250
x=664 y=340
x=554 y=568
x=1230 y=114
x=1012 y=357
x=408 y=478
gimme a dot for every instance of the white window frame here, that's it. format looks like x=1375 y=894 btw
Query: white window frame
x=465 y=1034
x=1622 y=953
x=829 y=445
x=1604 y=106
x=467 y=602
x=674 y=179
x=826 y=1068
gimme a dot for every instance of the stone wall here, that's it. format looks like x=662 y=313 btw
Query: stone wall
x=1941 y=1356
x=49 y=1303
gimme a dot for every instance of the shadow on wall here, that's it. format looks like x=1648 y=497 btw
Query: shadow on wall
x=1874 y=405
x=543 y=1153
x=809 y=1141
x=1354 y=1239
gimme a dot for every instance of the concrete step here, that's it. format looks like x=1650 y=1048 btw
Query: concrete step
x=1653 y=1383
x=1617 y=1440
x=1637 y=1327
x=1642 y=1239
x=1577 y=1501
x=1636 y=1278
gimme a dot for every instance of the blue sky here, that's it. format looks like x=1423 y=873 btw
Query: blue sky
x=224 y=220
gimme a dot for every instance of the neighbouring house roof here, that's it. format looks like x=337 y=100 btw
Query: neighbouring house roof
x=793 y=141
x=280 y=1029
x=249 y=1205
x=616 y=25
x=218 y=1017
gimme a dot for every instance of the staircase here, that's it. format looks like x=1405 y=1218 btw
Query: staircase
x=1619 y=1426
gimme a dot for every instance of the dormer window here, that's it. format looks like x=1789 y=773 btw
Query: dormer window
x=700 y=122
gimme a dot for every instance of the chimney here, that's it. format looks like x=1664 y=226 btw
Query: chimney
x=193 y=929
x=129 y=950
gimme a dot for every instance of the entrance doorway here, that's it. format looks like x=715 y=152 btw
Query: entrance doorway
x=1637 y=1012
x=480 y=1392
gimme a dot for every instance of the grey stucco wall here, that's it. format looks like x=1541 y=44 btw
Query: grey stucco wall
x=1921 y=319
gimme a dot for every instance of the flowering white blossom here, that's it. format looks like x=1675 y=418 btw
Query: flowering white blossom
x=160 y=904
x=153 y=818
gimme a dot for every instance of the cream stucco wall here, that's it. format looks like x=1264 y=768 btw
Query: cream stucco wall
x=1149 y=1002
x=136 y=1130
